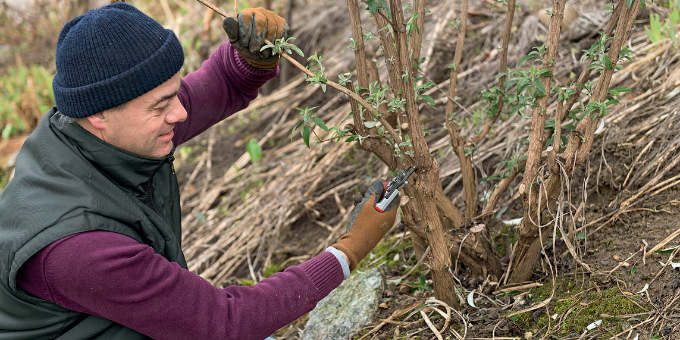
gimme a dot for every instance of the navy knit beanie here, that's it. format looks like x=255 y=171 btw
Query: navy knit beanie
x=109 y=56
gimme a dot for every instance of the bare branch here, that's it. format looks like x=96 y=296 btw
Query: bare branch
x=502 y=186
x=359 y=50
x=502 y=68
x=458 y=56
x=585 y=73
x=416 y=40
x=389 y=51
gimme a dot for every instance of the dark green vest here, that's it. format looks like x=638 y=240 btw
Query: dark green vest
x=68 y=181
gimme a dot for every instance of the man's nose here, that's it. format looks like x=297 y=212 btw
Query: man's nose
x=178 y=113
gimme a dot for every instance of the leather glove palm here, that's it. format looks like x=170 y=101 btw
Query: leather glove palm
x=250 y=30
x=367 y=225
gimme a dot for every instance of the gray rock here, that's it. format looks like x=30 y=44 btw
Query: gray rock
x=348 y=308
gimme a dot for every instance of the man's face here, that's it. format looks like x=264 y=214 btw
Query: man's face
x=144 y=125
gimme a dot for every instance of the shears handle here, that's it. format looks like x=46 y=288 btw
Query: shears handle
x=383 y=202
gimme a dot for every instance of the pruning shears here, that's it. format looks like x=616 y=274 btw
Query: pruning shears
x=391 y=189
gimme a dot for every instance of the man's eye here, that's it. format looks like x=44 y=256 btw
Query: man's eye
x=160 y=109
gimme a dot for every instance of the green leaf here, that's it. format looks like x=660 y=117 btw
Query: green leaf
x=292 y=131
x=428 y=99
x=306 y=131
x=254 y=150
x=200 y=216
x=371 y=124
x=580 y=236
x=7 y=131
x=266 y=47
x=540 y=89
x=607 y=62
x=297 y=50
x=320 y=123
x=629 y=3
x=374 y=5
x=666 y=251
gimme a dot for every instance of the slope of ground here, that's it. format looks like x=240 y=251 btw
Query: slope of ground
x=244 y=221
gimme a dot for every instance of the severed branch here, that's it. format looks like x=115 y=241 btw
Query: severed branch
x=330 y=83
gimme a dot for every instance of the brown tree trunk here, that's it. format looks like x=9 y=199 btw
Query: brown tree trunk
x=422 y=206
x=577 y=149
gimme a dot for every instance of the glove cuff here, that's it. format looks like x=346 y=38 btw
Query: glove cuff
x=260 y=64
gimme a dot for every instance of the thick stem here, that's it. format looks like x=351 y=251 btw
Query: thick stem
x=557 y=139
x=356 y=117
x=423 y=159
x=622 y=32
x=423 y=206
x=538 y=115
x=448 y=210
x=527 y=251
x=359 y=50
x=416 y=39
x=525 y=257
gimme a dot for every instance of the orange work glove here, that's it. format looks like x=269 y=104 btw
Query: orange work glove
x=367 y=225
x=248 y=32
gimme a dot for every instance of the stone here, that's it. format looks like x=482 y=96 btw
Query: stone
x=346 y=309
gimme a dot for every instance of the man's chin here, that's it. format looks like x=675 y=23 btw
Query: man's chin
x=163 y=150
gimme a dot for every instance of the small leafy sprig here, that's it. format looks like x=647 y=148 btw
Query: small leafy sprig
x=307 y=122
x=285 y=45
x=319 y=70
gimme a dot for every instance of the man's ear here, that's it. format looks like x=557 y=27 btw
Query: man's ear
x=97 y=120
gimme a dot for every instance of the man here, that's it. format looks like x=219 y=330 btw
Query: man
x=90 y=235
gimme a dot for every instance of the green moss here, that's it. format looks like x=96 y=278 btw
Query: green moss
x=390 y=252
x=246 y=282
x=501 y=239
x=4 y=177
x=582 y=309
x=271 y=270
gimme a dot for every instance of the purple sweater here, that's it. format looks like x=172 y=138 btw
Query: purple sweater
x=115 y=277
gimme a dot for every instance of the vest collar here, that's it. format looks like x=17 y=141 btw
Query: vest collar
x=126 y=168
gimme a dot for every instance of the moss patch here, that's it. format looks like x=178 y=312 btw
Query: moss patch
x=575 y=308
x=4 y=177
x=390 y=251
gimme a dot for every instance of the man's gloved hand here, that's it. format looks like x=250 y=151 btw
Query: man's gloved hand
x=367 y=225
x=248 y=35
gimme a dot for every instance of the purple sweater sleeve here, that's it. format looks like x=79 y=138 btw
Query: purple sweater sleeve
x=114 y=277
x=224 y=84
